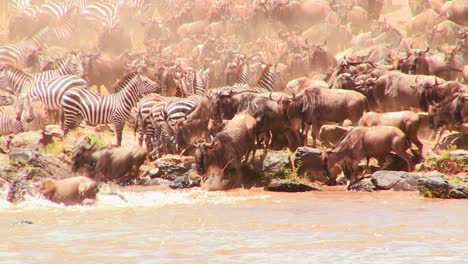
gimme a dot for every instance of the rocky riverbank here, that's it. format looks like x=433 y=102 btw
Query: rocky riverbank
x=34 y=156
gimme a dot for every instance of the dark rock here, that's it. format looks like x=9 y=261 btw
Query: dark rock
x=433 y=187
x=288 y=186
x=459 y=192
x=272 y=163
x=408 y=183
x=385 y=180
x=330 y=134
x=172 y=166
x=183 y=182
x=364 y=185
x=458 y=140
x=308 y=162
x=395 y=180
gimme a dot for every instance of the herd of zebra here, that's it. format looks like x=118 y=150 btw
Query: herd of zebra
x=63 y=90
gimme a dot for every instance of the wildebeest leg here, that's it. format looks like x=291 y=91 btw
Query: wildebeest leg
x=315 y=132
x=305 y=132
x=441 y=131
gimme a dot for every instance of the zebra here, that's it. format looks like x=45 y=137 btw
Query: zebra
x=96 y=109
x=15 y=53
x=161 y=142
x=11 y=116
x=103 y=14
x=144 y=120
x=71 y=64
x=50 y=92
x=35 y=115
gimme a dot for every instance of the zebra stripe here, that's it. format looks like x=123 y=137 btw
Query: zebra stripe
x=104 y=14
x=71 y=64
x=161 y=134
x=144 y=121
x=201 y=82
x=267 y=79
x=10 y=118
x=242 y=75
x=113 y=108
x=51 y=91
x=179 y=108
x=16 y=79
x=15 y=53
x=34 y=115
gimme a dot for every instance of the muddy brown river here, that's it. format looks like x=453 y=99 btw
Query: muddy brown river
x=240 y=226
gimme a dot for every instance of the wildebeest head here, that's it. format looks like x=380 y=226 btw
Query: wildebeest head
x=81 y=157
x=203 y=155
x=231 y=73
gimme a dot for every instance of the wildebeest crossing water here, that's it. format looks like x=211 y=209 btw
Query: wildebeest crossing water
x=161 y=226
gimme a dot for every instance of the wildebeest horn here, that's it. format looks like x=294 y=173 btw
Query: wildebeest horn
x=271 y=96
x=324 y=43
x=411 y=46
x=435 y=81
x=426 y=49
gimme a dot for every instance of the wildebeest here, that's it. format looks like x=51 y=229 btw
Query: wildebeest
x=225 y=152
x=105 y=72
x=317 y=105
x=366 y=142
x=450 y=115
x=107 y=163
x=270 y=119
x=396 y=91
x=70 y=191
x=407 y=121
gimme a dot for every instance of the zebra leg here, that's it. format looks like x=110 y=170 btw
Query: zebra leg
x=119 y=124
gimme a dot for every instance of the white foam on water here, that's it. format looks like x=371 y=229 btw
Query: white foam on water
x=111 y=198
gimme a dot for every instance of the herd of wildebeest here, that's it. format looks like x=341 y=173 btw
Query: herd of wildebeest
x=218 y=80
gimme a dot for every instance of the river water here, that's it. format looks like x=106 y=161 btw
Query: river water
x=239 y=226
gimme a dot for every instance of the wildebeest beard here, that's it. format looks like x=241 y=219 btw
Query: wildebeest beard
x=423 y=100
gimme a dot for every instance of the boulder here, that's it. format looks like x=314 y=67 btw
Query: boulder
x=172 y=166
x=308 y=162
x=31 y=140
x=458 y=140
x=183 y=182
x=458 y=192
x=433 y=186
x=51 y=166
x=271 y=165
x=364 y=185
x=329 y=135
x=53 y=131
x=288 y=186
x=385 y=180
x=395 y=180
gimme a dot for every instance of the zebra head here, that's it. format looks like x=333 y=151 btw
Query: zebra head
x=74 y=64
x=28 y=112
x=145 y=85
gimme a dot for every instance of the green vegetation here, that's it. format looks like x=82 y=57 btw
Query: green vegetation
x=458 y=181
x=55 y=148
x=287 y=173
x=445 y=163
x=97 y=140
